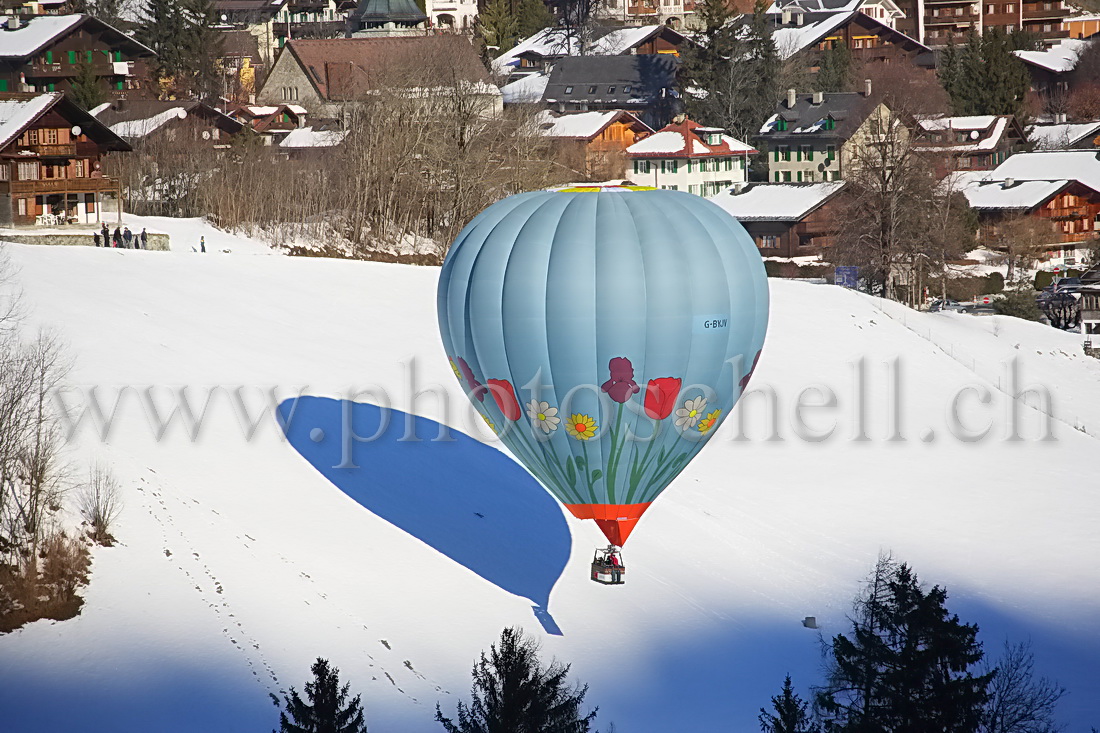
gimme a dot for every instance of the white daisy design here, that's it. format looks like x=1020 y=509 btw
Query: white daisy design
x=543 y=415
x=690 y=414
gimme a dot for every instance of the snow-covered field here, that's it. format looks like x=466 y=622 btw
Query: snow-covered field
x=239 y=563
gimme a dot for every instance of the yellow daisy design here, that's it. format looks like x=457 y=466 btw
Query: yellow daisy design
x=581 y=427
x=707 y=423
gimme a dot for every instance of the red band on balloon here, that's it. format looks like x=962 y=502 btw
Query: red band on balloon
x=616 y=520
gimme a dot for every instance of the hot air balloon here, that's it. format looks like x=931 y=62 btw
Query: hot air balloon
x=604 y=333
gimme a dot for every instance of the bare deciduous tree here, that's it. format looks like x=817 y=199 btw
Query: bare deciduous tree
x=99 y=501
x=1020 y=702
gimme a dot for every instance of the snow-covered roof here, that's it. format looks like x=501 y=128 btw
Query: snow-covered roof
x=94 y=111
x=559 y=42
x=580 y=125
x=981 y=144
x=1063 y=135
x=1059 y=58
x=682 y=140
x=261 y=111
x=974 y=122
x=776 y=201
x=141 y=128
x=307 y=137
x=1072 y=165
x=791 y=40
x=995 y=194
x=528 y=90
x=296 y=109
x=34 y=34
x=16 y=114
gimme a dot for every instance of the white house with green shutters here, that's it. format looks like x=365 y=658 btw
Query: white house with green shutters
x=685 y=156
x=815 y=137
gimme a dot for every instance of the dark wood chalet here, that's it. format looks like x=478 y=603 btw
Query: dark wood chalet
x=785 y=219
x=50 y=162
x=868 y=40
x=46 y=53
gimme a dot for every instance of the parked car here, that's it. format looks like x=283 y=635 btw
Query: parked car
x=939 y=304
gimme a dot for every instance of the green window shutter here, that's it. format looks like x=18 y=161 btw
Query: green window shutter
x=118 y=85
x=49 y=57
x=777 y=155
x=777 y=176
x=72 y=57
x=810 y=155
x=89 y=55
x=118 y=55
x=51 y=87
x=3 y=85
x=800 y=176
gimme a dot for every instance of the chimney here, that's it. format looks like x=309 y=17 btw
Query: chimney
x=1060 y=118
x=791 y=96
x=738 y=188
x=13 y=23
x=819 y=97
x=786 y=17
x=799 y=19
x=1008 y=183
x=866 y=87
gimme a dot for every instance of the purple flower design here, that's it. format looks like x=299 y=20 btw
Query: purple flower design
x=477 y=389
x=621 y=385
x=745 y=379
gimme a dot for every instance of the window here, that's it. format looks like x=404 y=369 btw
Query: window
x=786 y=176
x=668 y=166
x=809 y=176
x=989 y=9
x=1010 y=8
x=693 y=188
x=671 y=188
x=728 y=164
x=836 y=175
x=569 y=90
x=626 y=89
x=49 y=136
x=785 y=152
x=5 y=171
x=28 y=170
x=79 y=168
x=89 y=203
x=22 y=207
x=806 y=153
x=958 y=11
x=611 y=90
x=769 y=241
x=592 y=89
x=641 y=166
x=830 y=152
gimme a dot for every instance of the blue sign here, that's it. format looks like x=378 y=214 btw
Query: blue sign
x=847 y=277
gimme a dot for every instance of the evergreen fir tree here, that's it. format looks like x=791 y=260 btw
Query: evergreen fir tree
x=532 y=16
x=187 y=44
x=907 y=666
x=834 y=70
x=736 y=66
x=791 y=713
x=328 y=709
x=203 y=49
x=984 y=76
x=513 y=692
x=498 y=27
x=86 y=88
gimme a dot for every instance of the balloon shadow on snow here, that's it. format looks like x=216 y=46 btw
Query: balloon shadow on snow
x=467 y=500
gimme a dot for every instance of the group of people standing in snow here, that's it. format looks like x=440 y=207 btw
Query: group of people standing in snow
x=121 y=238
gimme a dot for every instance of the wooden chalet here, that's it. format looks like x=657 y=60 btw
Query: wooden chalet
x=50 y=162
x=146 y=122
x=868 y=39
x=976 y=143
x=785 y=220
x=594 y=143
x=538 y=53
x=273 y=121
x=46 y=53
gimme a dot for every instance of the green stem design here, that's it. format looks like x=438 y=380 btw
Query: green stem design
x=591 y=491
x=676 y=463
x=558 y=460
x=638 y=468
x=538 y=456
x=612 y=460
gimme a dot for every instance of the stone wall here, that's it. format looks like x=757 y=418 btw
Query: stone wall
x=156 y=241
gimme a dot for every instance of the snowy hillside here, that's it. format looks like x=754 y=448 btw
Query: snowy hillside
x=240 y=562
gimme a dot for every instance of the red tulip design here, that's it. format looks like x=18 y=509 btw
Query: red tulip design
x=505 y=397
x=660 y=396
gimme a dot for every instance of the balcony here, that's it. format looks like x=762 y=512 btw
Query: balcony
x=640 y=10
x=59 y=185
x=63 y=150
x=1036 y=12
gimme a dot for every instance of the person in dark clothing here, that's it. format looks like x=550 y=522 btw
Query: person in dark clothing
x=616 y=567
x=202 y=244
x=127 y=238
x=116 y=238
x=144 y=239
x=96 y=238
